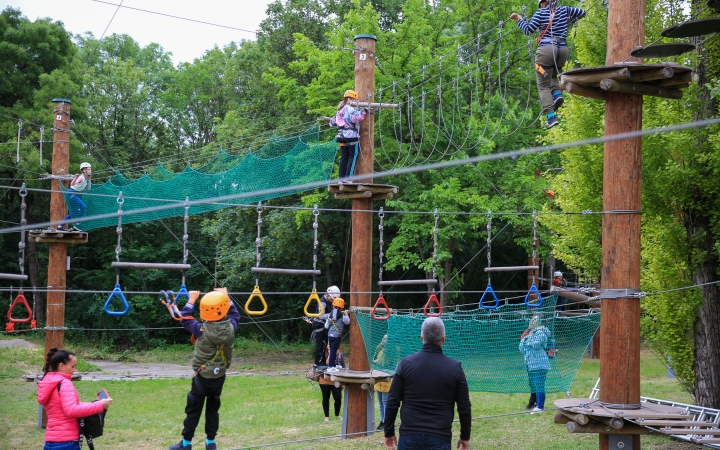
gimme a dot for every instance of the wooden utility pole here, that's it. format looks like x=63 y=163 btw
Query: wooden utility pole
x=55 y=335
x=362 y=231
x=620 y=322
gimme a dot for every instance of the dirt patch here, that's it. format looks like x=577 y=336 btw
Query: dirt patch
x=16 y=343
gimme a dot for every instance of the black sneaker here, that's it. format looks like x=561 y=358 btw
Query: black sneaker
x=381 y=426
x=180 y=446
x=210 y=446
x=558 y=101
x=551 y=122
x=529 y=407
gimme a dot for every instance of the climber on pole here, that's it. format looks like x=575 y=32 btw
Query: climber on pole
x=553 y=22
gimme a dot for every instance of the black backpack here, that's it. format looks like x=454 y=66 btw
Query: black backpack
x=91 y=426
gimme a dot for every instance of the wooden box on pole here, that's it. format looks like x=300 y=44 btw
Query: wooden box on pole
x=55 y=336
x=620 y=322
x=361 y=256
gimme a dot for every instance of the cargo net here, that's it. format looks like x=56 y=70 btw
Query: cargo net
x=486 y=343
x=282 y=162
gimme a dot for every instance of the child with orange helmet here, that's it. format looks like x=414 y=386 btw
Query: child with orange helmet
x=211 y=359
x=335 y=322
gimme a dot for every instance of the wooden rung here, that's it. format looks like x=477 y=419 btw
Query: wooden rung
x=511 y=268
x=366 y=194
x=674 y=423
x=284 y=271
x=401 y=282
x=377 y=189
x=690 y=431
x=140 y=265
x=598 y=428
x=12 y=276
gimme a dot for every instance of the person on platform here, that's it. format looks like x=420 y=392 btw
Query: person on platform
x=78 y=185
x=213 y=352
x=319 y=332
x=347 y=120
x=428 y=384
x=534 y=347
x=335 y=322
x=552 y=22
x=559 y=283
x=327 y=387
x=57 y=394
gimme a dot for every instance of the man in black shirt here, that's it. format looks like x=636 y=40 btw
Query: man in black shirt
x=428 y=384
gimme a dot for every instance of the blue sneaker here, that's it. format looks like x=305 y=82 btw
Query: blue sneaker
x=551 y=122
x=180 y=446
x=558 y=101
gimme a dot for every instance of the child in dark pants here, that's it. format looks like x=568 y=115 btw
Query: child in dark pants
x=327 y=387
x=211 y=358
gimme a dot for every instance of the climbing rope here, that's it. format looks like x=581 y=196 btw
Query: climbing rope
x=381 y=298
x=258 y=256
x=117 y=291
x=313 y=295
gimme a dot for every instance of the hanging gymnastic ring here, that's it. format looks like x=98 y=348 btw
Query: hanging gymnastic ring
x=381 y=301
x=433 y=299
x=256 y=293
x=489 y=290
x=119 y=293
x=20 y=300
x=314 y=296
x=527 y=297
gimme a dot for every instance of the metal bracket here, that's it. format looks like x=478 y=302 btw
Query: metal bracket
x=620 y=441
x=622 y=293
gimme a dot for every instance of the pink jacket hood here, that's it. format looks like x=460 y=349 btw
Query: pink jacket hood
x=63 y=408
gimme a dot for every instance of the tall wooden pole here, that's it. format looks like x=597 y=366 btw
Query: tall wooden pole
x=362 y=222
x=620 y=322
x=55 y=336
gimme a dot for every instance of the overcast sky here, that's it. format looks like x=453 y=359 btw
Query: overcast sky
x=186 y=40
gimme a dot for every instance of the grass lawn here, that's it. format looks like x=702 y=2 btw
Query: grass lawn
x=148 y=414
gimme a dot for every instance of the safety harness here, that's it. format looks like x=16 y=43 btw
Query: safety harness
x=219 y=352
x=540 y=68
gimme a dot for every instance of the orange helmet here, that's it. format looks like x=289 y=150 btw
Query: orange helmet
x=214 y=306
x=339 y=302
x=352 y=94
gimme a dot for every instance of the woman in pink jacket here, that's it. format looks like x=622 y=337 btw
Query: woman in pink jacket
x=63 y=404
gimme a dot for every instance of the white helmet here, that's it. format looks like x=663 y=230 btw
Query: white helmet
x=85 y=165
x=558 y=274
x=333 y=291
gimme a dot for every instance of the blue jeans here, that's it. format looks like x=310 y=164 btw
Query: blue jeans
x=382 y=400
x=334 y=345
x=422 y=442
x=76 y=209
x=537 y=385
x=70 y=445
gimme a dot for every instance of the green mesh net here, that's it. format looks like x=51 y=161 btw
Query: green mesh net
x=282 y=162
x=486 y=343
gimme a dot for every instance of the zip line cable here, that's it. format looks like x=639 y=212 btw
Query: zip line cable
x=402 y=171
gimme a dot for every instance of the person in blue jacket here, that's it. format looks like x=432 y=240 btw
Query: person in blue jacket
x=551 y=22
x=533 y=346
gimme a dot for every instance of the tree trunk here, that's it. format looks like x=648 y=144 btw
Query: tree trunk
x=704 y=258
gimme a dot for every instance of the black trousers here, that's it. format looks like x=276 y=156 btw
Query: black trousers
x=202 y=389
x=347 y=159
x=321 y=340
x=326 y=390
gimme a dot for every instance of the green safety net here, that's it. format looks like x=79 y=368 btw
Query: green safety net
x=282 y=162
x=486 y=343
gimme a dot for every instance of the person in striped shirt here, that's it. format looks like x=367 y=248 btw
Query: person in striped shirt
x=552 y=23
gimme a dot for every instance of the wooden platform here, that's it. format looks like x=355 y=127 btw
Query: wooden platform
x=659 y=80
x=52 y=235
x=700 y=432
x=362 y=190
x=348 y=376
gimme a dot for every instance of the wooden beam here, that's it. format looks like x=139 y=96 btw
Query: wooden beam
x=362 y=237
x=560 y=419
x=690 y=431
x=681 y=78
x=377 y=189
x=360 y=195
x=584 y=91
x=55 y=335
x=660 y=73
x=622 y=191
x=596 y=76
x=581 y=419
x=640 y=89
x=598 y=428
x=675 y=423
x=614 y=422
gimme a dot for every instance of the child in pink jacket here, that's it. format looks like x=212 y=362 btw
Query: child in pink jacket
x=63 y=405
